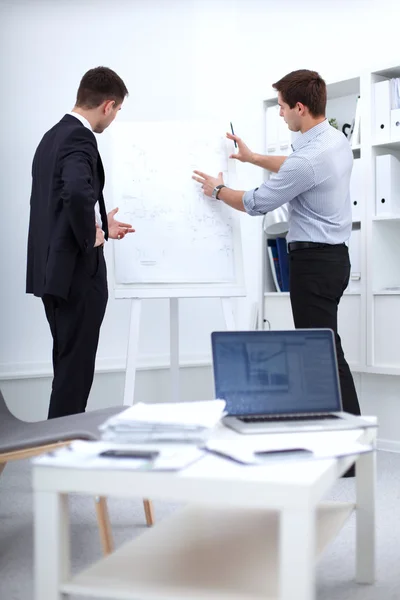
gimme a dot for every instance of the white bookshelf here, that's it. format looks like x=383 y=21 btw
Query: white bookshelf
x=369 y=321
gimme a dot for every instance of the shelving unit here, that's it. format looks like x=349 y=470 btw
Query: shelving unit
x=368 y=313
x=383 y=247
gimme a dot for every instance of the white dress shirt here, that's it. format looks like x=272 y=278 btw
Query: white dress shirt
x=86 y=123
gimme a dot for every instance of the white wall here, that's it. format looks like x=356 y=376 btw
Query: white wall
x=179 y=58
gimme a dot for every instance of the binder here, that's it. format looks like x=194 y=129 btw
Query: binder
x=387 y=185
x=283 y=261
x=355 y=260
x=355 y=131
x=274 y=263
x=395 y=93
x=356 y=190
x=395 y=125
x=382 y=105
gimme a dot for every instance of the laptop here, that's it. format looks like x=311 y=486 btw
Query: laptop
x=280 y=381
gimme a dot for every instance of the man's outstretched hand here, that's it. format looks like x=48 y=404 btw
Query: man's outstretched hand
x=116 y=229
x=208 y=182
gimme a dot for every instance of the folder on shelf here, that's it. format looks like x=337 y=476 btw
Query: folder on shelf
x=274 y=263
x=283 y=261
x=382 y=105
x=356 y=190
x=355 y=131
x=279 y=263
x=355 y=260
x=387 y=185
x=395 y=109
x=395 y=125
x=395 y=93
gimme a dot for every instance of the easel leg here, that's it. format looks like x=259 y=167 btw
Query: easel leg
x=132 y=356
x=227 y=309
x=174 y=347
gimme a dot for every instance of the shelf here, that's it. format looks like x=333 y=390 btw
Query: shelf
x=276 y=294
x=201 y=553
x=386 y=218
x=287 y=294
x=337 y=89
x=388 y=73
x=382 y=370
x=347 y=87
x=387 y=292
x=356 y=368
x=389 y=144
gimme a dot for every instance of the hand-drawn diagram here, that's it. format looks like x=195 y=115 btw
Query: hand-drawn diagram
x=181 y=235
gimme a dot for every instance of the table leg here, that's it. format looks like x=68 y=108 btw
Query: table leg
x=51 y=546
x=297 y=547
x=365 y=518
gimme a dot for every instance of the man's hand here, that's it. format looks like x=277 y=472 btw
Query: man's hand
x=208 y=182
x=244 y=154
x=116 y=229
x=99 y=236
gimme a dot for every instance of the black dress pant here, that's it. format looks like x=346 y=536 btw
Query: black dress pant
x=318 y=278
x=75 y=327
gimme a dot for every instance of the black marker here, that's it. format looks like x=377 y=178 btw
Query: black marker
x=233 y=133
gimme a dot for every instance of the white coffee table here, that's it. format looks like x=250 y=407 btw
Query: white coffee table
x=247 y=533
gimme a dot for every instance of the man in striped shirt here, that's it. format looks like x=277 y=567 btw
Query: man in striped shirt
x=314 y=181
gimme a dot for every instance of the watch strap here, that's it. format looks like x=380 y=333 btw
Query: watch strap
x=217 y=190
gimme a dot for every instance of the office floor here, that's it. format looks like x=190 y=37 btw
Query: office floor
x=335 y=569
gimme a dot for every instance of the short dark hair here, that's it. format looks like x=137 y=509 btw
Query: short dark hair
x=306 y=87
x=98 y=85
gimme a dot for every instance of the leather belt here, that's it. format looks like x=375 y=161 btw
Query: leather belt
x=302 y=245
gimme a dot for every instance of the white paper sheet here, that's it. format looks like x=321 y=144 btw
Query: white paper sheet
x=86 y=455
x=181 y=235
x=245 y=451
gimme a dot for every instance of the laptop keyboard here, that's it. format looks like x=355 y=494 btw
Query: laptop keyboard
x=277 y=418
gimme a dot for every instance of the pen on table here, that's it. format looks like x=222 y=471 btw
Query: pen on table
x=233 y=133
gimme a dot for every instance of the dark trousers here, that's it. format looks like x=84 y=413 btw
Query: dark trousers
x=318 y=278
x=75 y=327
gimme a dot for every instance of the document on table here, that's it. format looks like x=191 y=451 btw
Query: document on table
x=86 y=455
x=268 y=450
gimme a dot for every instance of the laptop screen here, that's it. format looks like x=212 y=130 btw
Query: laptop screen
x=276 y=372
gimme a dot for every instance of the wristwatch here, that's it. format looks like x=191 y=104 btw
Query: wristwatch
x=216 y=191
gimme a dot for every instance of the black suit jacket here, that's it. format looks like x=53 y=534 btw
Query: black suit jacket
x=67 y=181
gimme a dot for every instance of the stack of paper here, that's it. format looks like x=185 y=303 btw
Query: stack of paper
x=164 y=422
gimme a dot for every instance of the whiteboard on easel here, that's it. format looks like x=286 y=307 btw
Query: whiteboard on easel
x=185 y=244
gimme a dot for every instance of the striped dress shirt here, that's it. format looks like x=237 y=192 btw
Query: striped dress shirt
x=314 y=180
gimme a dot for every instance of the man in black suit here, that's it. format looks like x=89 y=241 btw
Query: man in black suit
x=67 y=229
